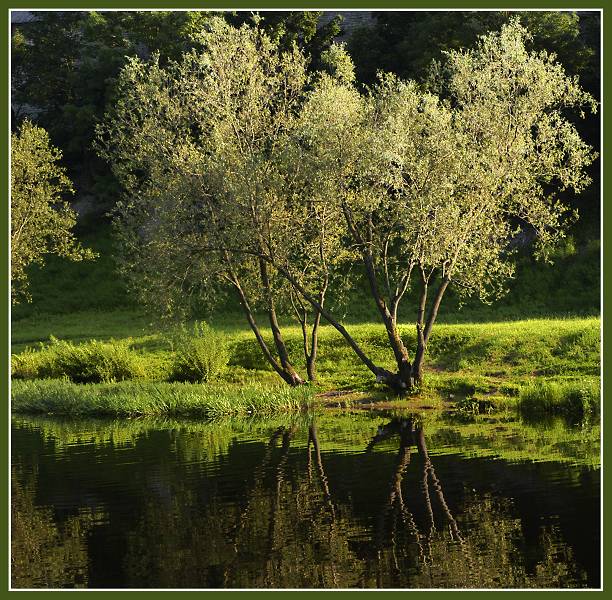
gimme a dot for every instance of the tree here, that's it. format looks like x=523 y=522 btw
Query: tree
x=210 y=191
x=302 y=28
x=41 y=219
x=406 y=43
x=66 y=64
x=236 y=172
x=436 y=191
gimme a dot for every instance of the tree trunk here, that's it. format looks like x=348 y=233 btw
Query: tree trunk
x=396 y=381
x=311 y=358
x=290 y=375
x=402 y=381
x=310 y=349
x=280 y=369
x=424 y=331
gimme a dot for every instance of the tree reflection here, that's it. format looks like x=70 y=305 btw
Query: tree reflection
x=290 y=528
x=287 y=510
x=486 y=555
x=44 y=553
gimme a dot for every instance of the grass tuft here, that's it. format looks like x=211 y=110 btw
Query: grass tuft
x=90 y=362
x=129 y=399
x=574 y=399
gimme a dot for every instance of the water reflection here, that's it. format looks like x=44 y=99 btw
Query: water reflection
x=282 y=507
x=44 y=553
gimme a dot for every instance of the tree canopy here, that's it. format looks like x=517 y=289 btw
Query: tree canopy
x=200 y=147
x=65 y=68
x=406 y=42
x=438 y=189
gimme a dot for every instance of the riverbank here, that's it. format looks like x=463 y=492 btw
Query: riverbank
x=539 y=363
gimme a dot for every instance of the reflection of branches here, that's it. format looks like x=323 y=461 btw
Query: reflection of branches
x=276 y=498
x=428 y=469
x=391 y=429
x=259 y=474
x=275 y=501
x=395 y=505
x=312 y=437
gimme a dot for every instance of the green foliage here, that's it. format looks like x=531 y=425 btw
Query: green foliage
x=570 y=287
x=338 y=64
x=139 y=399
x=576 y=400
x=406 y=43
x=65 y=64
x=466 y=360
x=467 y=409
x=201 y=177
x=41 y=219
x=28 y=364
x=304 y=29
x=256 y=174
x=200 y=355
x=88 y=362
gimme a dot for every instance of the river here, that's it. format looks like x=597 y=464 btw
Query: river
x=346 y=499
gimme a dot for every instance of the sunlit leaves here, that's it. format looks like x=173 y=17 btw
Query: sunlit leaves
x=41 y=219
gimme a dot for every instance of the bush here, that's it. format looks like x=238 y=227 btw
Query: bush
x=200 y=356
x=27 y=364
x=574 y=399
x=90 y=362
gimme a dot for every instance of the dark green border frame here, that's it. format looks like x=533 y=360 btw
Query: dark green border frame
x=246 y=4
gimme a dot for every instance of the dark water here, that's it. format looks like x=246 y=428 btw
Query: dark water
x=338 y=501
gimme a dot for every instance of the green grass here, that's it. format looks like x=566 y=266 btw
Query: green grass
x=63 y=286
x=200 y=354
x=470 y=359
x=577 y=400
x=89 y=362
x=130 y=399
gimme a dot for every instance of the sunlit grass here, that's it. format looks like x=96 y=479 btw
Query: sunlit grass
x=130 y=399
x=462 y=359
x=575 y=399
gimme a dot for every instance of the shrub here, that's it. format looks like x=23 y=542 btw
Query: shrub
x=200 y=356
x=90 y=362
x=27 y=365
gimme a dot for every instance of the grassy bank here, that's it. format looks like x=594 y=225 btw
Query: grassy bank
x=576 y=400
x=131 y=399
x=545 y=365
x=482 y=355
x=476 y=353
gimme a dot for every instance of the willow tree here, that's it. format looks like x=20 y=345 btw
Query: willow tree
x=434 y=190
x=200 y=148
